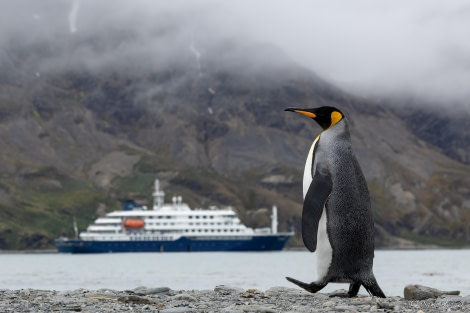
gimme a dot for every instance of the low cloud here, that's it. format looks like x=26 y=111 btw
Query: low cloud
x=367 y=46
x=377 y=47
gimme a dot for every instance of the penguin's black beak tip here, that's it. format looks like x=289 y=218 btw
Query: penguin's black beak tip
x=305 y=112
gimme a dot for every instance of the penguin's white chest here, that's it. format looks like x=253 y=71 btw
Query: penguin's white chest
x=324 y=252
x=308 y=168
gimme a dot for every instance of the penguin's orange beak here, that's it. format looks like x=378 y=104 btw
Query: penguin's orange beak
x=300 y=111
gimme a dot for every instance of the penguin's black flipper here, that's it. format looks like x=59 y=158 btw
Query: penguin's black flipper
x=315 y=199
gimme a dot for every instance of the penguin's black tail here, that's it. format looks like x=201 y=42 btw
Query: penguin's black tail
x=373 y=288
x=312 y=287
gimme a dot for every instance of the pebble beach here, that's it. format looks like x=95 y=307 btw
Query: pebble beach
x=221 y=299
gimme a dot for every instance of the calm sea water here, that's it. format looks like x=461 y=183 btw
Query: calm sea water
x=442 y=269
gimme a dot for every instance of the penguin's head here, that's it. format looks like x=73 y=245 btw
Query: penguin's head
x=325 y=116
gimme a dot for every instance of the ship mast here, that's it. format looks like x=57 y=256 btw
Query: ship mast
x=158 y=195
x=75 y=228
x=274 y=220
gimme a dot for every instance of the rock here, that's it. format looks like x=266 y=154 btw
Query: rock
x=101 y=297
x=386 y=305
x=345 y=308
x=232 y=309
x=419 y=292
x=227 y=289
x=184 y=297
x=73 y=308
x=149 y=291
x=135 y=299
x=257 y=309
x=152 y=291
x=252 y=293
x=180 y=309
x=329 y=303
x=448 y=299
x=273 y=291
x=466 y=299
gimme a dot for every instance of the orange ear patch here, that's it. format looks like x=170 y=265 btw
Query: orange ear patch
x=335 y=117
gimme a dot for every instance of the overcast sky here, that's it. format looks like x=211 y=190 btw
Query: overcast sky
x=374 y=46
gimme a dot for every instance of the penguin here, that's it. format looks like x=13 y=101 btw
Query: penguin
x=337 y=221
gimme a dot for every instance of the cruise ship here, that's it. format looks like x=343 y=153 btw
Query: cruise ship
x=172 y=227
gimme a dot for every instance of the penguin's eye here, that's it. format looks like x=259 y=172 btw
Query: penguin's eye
x=335 y=117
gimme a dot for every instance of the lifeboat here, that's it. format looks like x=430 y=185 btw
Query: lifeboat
x=133 y=223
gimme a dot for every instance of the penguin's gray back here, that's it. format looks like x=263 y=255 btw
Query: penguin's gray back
x=350 y=224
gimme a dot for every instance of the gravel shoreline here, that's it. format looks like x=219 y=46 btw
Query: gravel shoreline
x=221 y=299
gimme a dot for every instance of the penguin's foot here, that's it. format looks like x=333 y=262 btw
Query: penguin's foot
x=312 y=287
x=353 y=290
x=373 y=288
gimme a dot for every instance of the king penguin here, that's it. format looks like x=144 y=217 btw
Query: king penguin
x=337 y=221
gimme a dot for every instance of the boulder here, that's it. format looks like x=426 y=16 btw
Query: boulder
x=419 y=292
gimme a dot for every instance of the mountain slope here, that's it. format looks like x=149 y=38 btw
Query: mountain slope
x=87 y=118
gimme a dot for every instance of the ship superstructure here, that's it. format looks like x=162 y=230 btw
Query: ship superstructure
x=173 y=227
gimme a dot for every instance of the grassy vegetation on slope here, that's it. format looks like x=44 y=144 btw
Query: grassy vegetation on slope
x=41 y=207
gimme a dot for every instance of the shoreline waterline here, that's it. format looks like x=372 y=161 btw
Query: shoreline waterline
x=394 y=269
